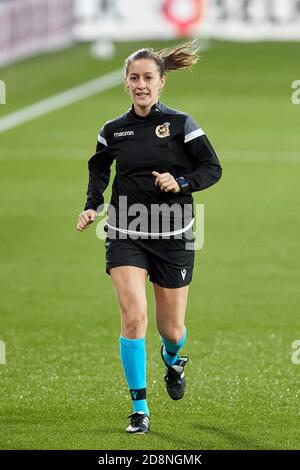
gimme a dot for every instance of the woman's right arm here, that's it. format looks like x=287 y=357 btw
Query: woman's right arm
x=99 y=173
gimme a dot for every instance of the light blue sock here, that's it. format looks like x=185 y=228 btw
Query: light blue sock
x=133 y=356
x=171 y=350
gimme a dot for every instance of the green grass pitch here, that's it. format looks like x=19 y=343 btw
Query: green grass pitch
x=63 y=386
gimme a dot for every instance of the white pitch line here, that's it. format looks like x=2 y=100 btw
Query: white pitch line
x=61 y=100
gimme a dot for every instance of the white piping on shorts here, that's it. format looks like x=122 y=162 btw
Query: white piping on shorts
x=164 y=234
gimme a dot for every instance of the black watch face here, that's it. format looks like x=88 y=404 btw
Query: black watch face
x=182 y=183
x=179 y=180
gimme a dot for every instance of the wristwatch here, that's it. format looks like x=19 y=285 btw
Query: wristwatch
x=183 y=184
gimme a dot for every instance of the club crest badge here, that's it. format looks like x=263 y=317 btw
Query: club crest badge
x=163 y=130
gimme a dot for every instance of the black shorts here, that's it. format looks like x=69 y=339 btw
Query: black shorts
x=168 y=261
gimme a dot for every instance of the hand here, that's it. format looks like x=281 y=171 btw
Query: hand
x=85 y=219
x=166 y=182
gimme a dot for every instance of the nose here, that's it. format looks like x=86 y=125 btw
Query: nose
x=141 y=83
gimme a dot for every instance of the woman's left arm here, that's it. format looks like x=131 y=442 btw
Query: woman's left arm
x=207 y=168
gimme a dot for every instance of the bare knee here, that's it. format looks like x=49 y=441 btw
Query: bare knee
x=135 y=327
x=174 y=335
x=134 y=322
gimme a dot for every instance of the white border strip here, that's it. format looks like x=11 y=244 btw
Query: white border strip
x=102 y=140
x=155 y=234
x=192 y=135
x=61 y=100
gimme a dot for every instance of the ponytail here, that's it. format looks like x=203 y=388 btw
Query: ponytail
x=177 y=58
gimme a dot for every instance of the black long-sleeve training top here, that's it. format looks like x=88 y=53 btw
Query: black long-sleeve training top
x=166 y=140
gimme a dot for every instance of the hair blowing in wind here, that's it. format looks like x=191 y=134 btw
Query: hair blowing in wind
x=168 y=59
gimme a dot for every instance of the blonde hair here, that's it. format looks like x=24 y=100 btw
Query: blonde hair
x=177 y=58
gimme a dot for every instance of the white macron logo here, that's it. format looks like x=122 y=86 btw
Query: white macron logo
x=123 y=134
x=183 y=273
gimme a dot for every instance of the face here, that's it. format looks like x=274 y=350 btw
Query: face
x=144 y=82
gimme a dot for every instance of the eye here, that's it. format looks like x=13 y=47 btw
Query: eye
x=149 y=78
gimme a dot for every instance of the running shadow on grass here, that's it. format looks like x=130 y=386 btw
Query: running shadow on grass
x=175 y=442
x=235 y=441
x=229 y=439
x=170 y=440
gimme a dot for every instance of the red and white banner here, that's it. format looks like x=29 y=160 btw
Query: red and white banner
x=183 y=15
x=123 y=20
x=28 y=27
x=241 y=20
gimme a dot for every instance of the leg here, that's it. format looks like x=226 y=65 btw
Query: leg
x=129 y=283
x=130 y=288
x=170 y=311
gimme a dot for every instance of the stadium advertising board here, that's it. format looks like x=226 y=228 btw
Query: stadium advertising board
x=241 y=20
x=33 y=26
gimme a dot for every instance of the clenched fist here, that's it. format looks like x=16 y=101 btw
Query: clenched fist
x=85 y=219
x=166 y=182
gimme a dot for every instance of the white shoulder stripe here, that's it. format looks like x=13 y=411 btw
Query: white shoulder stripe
x=193 y=135
x=102 y=140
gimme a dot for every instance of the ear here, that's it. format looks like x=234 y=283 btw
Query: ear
x=162 y=82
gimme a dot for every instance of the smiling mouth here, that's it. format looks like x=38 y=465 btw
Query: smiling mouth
x=142 y=95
